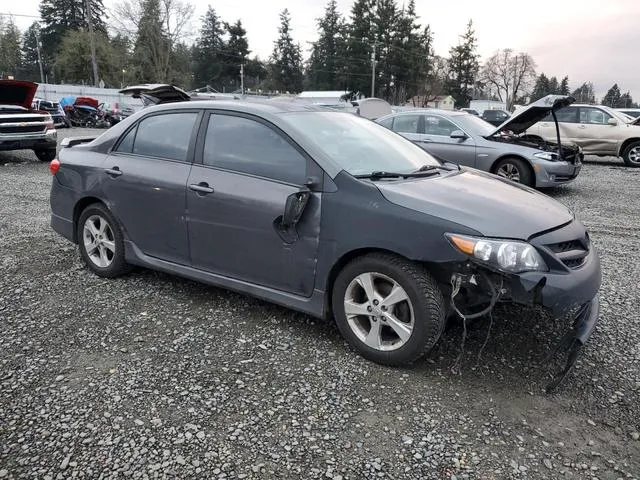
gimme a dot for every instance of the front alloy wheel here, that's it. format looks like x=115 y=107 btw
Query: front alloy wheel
x=516 y=170
x=631 y=155
x=379 y=311
x=389 y=309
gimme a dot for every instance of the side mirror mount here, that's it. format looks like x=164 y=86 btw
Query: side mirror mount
x=294 y=207
x=458 y=134
x=613 y=122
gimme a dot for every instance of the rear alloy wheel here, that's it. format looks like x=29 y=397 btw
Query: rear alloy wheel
x=389 y=309
x=46 y=155
x=101 y=242
x=631 y=155
x=515 y=170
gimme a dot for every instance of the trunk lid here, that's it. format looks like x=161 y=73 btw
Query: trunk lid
x=156 y=93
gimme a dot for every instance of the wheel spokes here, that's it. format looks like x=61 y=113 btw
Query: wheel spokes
x=396 y=295
x=400 y=328
x=373 y=338
x=109 y=245
x=352 y=308
x=365 y=280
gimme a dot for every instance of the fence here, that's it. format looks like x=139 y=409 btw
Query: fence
x=54 y=93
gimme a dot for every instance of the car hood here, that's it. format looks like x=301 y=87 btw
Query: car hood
x=527 y=116
x=17 y=92
x=485 y=203
x=156 y=93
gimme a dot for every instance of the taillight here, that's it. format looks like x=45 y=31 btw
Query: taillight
x=54 y=166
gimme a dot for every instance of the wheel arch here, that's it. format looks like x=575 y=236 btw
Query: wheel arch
x=78 y=208
x=626 y=143
x=519 y=157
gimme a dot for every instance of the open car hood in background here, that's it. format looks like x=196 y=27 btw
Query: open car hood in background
x=156 y=93
x=526 y=117
x=17 y=92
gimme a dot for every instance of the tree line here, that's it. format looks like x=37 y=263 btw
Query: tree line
x=150 y=41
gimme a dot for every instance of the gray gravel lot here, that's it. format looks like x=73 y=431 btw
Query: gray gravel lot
x=152 y=376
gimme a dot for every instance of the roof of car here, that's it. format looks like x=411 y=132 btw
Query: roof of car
x=437 y=111
x=257 y=106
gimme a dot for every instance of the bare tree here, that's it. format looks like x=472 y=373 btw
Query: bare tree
x=174 y=17
x=434 y=82
x=509 y=75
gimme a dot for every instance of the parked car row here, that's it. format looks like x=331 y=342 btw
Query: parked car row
x=330 y=214
x=469 y=140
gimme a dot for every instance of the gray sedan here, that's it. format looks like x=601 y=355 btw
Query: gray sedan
x=465 y=139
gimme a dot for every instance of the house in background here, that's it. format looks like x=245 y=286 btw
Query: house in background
x=443 y=102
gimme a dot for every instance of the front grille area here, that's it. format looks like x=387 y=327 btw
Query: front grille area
x=19 y=119
x=571 y=253
x=39 y=128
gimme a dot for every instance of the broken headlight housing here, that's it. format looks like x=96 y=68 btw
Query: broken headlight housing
x=509 y=256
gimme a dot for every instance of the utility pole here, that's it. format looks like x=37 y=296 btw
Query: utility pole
x=373 y=70
x=38 y=45
x=94 y=63
x=242 y=79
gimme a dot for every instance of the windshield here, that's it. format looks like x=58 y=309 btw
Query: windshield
x=475 y=125
x=358 y=145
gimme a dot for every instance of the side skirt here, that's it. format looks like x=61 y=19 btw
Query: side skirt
x=313 y=305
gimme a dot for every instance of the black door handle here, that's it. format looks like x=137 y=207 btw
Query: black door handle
x=115 y=171
x=201 y=188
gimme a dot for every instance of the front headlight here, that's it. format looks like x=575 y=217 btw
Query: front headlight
x=550 y=156
x=507 y=255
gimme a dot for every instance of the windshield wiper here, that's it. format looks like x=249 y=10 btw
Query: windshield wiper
x=382 y=174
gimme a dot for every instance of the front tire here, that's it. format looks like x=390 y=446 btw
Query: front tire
x=631 y=155
x=516 y=170
x=46 y=155
x=390 y=310
x=101 y=242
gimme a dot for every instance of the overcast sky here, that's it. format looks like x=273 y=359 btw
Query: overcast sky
x=588 y=40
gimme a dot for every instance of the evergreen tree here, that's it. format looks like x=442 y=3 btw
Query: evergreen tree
x=209 y=50
x=152 y=45
x=60 y=16
x=359 y=47
x=10 y=61
x=286 y=59
x=626 y=101
x=564 y=86
x=408 y=55
x=612 y=97
x=29 y=53
x=584 y=93
x=541 y=88
x=386 y=21
x=463 y=68
x=554 y=88
x=236 y=50
x=327 y=61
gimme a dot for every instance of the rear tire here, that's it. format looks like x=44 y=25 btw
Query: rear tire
x=516 y=170
x=403 y=320
x=631 y=155
x=46 y=155
x=101 y=242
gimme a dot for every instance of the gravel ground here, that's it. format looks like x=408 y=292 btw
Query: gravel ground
x=152 y=376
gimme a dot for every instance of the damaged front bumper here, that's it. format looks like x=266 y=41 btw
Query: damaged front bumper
x=569 y=289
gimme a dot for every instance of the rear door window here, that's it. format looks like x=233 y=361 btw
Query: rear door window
x=166 y=135
x=406 y=124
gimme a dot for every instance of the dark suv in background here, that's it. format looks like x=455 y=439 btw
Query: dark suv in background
x=495 y=117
